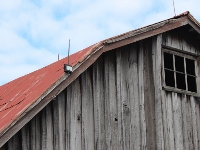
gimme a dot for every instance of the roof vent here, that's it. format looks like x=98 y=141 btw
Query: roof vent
x=67 y=68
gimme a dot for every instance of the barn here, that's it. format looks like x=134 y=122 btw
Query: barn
x=137 y=90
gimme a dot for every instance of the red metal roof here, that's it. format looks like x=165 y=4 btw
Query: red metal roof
x=17 y=95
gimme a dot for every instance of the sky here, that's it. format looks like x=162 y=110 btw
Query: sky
x=34 y=32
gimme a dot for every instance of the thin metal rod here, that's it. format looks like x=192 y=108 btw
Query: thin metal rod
x=174 y=8
x=68 y=51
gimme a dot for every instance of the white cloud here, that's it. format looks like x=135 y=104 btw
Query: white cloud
x=34 y=30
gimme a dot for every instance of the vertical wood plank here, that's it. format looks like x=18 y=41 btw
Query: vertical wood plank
x=141 y=96
x=189 y=120
x=170 y=120
x=43 y=131
x=198 y=121
x=163 y=94
x=25 y=137
x=169 y=114
x=176 y=41
x=185 y=123
x=61 y=127
x=178 y=132
x=46 y=129
x=149 y=95
x=119 y=97
x=75 y=119
x=99 y=105
x=194 y=123
x=14 y=143
x=68 y=117
x=59 y=122
x=111 y=119
x=125 y=99
x=165 y=122
x=189 y=42
x=87 y=111
x=133 y=77
x=38 y=131
x=33 y=134
x=157 y=65
x=107 y=105
x=49 y=127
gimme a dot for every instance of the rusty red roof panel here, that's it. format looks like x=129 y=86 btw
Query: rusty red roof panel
x=17 y=95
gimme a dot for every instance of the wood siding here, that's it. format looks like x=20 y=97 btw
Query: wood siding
x=118 y=103
x=180 y=123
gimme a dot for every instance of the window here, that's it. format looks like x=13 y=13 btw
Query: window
x=179 y=71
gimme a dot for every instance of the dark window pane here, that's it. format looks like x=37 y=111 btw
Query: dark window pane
x=168 y=61
x=190 y=66
x=169 y=78
x=179 y=63
x=191 y=84
x=180 y=81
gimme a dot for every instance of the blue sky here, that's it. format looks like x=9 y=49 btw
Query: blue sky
x=34 y=32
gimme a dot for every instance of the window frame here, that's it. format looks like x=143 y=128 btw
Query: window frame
x=185 y=55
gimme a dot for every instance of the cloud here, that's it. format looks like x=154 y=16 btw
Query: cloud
x=34 y=32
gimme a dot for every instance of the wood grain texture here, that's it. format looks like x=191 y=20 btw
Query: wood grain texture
x=120 y=104
x=143 y=127
x=159 y=101
x=75 y=116
x=125 y=101
x=133 y=80
x=182 y=40
x=111 y=119
x=49 y=127
x=177 y=116
x=186 y=126
x=194 y=123
x=149 y=95
x=99 y=105
x=68 y=116
x=15 y=142
x=170 y=126
x=87 y=111
x=59 y=124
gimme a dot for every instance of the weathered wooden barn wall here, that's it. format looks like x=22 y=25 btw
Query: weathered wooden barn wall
x=177 y=115
x=118 y=103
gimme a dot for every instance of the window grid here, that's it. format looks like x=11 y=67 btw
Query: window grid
x=185 y=73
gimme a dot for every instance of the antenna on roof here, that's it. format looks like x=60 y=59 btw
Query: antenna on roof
x=58 y=57
x=174 y=8
x=68 y=51
x=68 y=67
